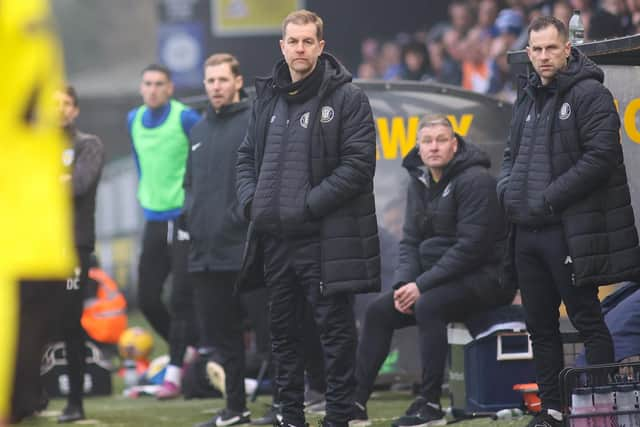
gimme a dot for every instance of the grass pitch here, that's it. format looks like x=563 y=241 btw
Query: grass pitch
x=119 y=411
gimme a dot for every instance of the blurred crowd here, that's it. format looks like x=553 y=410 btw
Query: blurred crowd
x=469 y=49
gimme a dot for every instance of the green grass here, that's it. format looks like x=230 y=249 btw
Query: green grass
x=118 y=411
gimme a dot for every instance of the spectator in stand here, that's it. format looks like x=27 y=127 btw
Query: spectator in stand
x=604 y=25
x=367 y=70
x=460 y=17
x=475 y=65
x=562 y=10
x=415 y=62
x=435 y=48
x=461 y=22
x=606 y=22
x=487 y=13
x=631 y=20
x=508 y=27
x=452 y=53
x=370 y=49
x=390 y=66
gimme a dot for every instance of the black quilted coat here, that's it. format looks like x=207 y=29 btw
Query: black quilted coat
x=341 y=168
x=588 y=188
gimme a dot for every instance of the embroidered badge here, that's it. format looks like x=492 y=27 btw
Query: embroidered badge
x=565 y=111
x=304 y=120
x=447 y=190
x=326 y=114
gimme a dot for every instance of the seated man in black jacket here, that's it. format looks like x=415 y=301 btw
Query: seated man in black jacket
x=448 y=263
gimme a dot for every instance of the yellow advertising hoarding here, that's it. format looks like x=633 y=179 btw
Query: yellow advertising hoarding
x=250 y=17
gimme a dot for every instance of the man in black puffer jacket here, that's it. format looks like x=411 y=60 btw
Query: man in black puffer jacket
x=217 y=228
x=449 y=260
x=305 y=180
x=563 y=186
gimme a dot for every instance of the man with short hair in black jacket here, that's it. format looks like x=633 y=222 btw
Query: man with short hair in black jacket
x=85 y=160
x=564 y=189
x=217 y=229
x=305 y=180
x=448 y=263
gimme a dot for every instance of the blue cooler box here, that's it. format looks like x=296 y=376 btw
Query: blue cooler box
x=492 y=365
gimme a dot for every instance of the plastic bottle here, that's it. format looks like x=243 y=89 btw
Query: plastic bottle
x=625 y=401
x=581 y=403
x=130 y=373
x=636 y=416
x=576 y=28
x=603 y=402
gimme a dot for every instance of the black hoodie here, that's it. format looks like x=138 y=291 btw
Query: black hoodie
x=214 y=219
x=454 y=228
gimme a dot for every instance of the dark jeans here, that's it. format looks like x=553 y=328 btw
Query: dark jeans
x=544 y=276
x=292 y=273
x=162 y=254
x=220 y=318
x=432 y=311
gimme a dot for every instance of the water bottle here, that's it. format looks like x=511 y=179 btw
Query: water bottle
x=130 y=373
x=636 y=415
x=603 y=403
x=581 y=403
x=576 y=29
x=625 y=402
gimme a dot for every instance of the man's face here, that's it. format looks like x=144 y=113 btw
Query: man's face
x=155 y=88
x=548 y=52
x=67 y=109
x=222 y=87
x=301 y=49
x=437 y=145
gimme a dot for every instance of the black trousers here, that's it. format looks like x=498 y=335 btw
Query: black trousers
x=313 y=355
x=544 y=276
x=292 y=273
x=220 y=318
x=162 y=254
x=432 y=311
x=73 y=334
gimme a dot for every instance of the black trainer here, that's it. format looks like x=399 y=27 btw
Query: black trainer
x=71 y=413
x=227 y=417
x=281 y=422
x=327 y=423
x=428 y=415
x=415 y=406
x=543 y=419
x=359 y=416
x=269 y=418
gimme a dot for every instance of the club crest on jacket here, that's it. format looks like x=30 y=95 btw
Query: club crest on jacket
x=565 y=111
